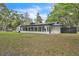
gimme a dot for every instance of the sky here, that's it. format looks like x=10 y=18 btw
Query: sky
x=32 y=8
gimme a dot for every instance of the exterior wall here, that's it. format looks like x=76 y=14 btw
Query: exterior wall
x=55 y=30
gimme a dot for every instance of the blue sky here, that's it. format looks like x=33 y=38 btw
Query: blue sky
x=32 y=8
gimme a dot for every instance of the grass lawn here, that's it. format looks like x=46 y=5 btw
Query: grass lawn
x=38 y=44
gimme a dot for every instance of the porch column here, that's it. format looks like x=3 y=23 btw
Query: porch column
x=21 y=28
x=49 y=29
x=46 y=28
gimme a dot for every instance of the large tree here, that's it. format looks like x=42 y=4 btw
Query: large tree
x=10 y=19
x=15 y=19
x=4 y=16
x=66 y=13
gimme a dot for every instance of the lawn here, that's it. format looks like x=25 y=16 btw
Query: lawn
x=23 y=44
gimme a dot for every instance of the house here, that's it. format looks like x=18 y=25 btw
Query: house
x=43 y=28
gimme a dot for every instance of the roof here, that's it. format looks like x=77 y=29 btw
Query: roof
x=54 y=24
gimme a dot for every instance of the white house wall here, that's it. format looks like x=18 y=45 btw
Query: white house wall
x=55 y=30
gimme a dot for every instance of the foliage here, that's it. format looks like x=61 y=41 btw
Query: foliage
x=4 y=16
x=10 y=19
x=66 y=13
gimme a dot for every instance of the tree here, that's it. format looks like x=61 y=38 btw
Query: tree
x=68 y=14
x=4 y=16
x=10 y=19
x=15 y=19
x=38 y=19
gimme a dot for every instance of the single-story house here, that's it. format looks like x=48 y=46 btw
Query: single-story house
x=44 y=28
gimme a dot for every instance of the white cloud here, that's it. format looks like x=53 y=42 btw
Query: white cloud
x=37 y=7
x=33 y=11
x=47 y=7
x=44 y=17
x=20 y=10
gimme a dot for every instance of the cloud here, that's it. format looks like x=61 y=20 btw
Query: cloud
x=44 y=17
x=20 y=10
x=34 y=10
x=37 y=7
x=47 y=7
x=31 y=11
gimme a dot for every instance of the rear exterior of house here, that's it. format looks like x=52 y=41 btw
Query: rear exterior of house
x=47 y=28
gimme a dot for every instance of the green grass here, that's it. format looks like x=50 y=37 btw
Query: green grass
x=38 y=44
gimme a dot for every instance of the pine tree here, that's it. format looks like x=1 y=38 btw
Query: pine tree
x=38 y=19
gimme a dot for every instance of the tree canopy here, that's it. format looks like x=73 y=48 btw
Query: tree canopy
x=66 y=13
x=10 y=19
